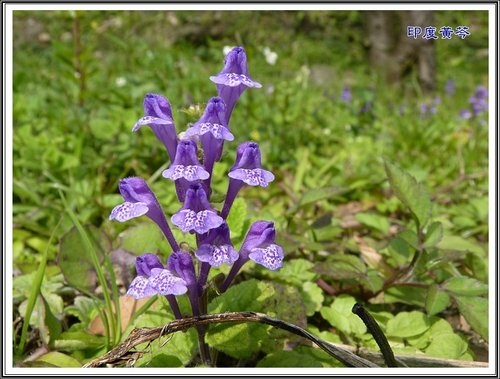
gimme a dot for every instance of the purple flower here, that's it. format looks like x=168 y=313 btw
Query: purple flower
x=233 y=79
x=346 y=94
x=479 y=101
x=213 y=130
x=216 y=248
x=186 y=168
x=152 y=278
x=449 y=87
x=259 y=247
x=465 y=114
x=140 y=200
x=196 y=215
x=158 y=115
x=181 y=263
x=247 y=169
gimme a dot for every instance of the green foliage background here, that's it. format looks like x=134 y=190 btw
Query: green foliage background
x=79 y=81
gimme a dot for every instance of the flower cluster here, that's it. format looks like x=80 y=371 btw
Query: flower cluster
x=192 y=174
x=478 y=104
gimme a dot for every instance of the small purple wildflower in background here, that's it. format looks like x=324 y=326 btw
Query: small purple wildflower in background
x=479 y=101
x=192 y=176
x=478 y=104
x=346 y=94
x=449 y=87
x=429 y=108
x=465 y=114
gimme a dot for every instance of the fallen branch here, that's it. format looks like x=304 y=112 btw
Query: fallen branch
x=348 y=355
x=141 y=335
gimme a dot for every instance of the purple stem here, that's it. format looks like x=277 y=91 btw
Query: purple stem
x=232 y=190
x=174 y=305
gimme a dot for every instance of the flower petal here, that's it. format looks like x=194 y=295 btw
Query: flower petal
x=253 y=177
x=127 y=210
x=234 y=80
x=217 y=255
x=147 y=120
x=165 y=283
x=190 y=173
x=140 y=288
x=270 y=257
x=201 y=222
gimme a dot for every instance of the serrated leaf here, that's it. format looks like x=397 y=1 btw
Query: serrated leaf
x=410 y=192
x=433 y=235
x=465 y=286
x=313 y=297
x=407 y=324
x=340 y=316
x=436 y=300
x=295 y=272
x=446 y=345
x=475 y=311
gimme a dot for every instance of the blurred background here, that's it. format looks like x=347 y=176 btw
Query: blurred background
x=341 y=90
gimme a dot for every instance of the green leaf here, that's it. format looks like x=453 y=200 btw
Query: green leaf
x=436 y=300
x=438 y=325
x=141 y=238
x=410 y=192
x=312 y=296
x=288 y=359
x=240 y=340
x=461 y=244
x=245 y=296
x=75 y=261
x=433 y=235
x=236 y=340
x=317 y=194
x=475 y=311
x=236 y=218
x=58 y=359
x=295 y=272
x=465 y=286
x=374 y=221
x=407 y=324
x=406 y=295
x=160 y=360
x=446 y=345
x=340 y=316
x=341 y=266
x=78 y=340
